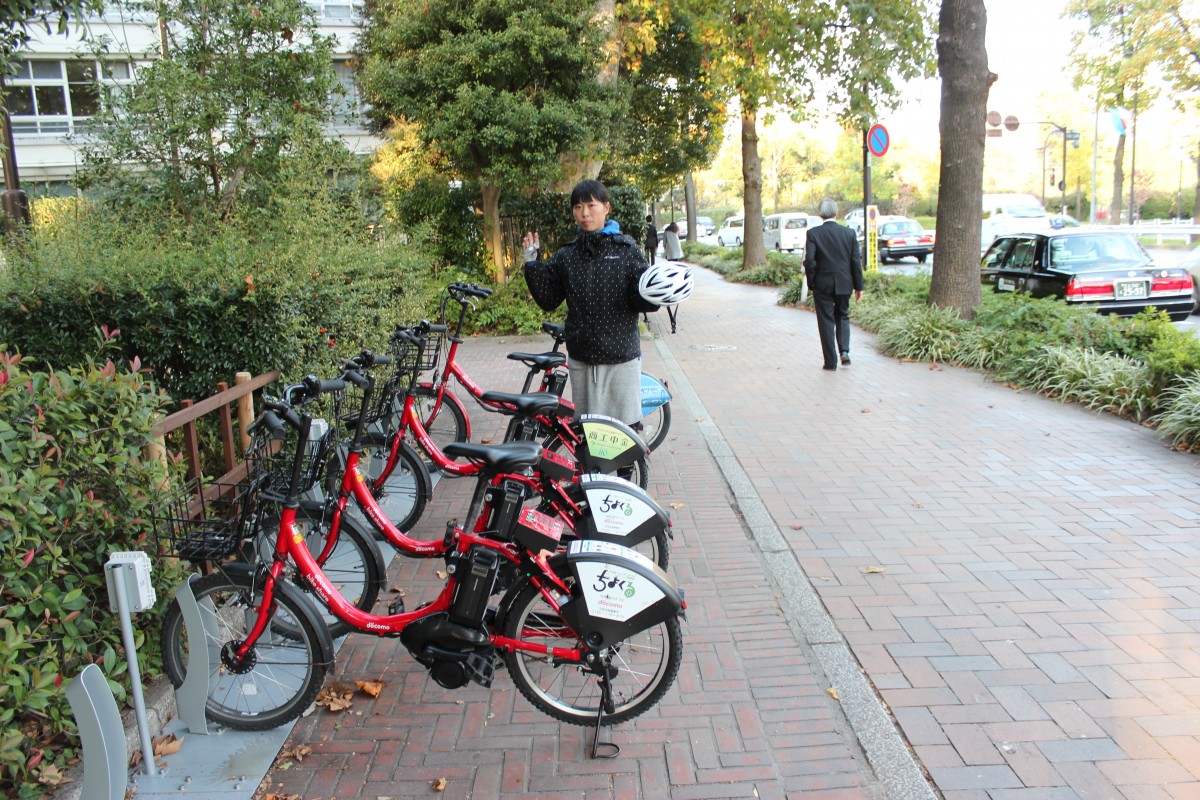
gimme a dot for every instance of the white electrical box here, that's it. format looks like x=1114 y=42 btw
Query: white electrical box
x=133 y=568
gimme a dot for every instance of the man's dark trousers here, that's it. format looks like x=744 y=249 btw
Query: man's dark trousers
x=833 y=325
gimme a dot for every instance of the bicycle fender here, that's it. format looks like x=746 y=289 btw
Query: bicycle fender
x=608 y=443
x=654 y=393
x=619 y=593
x=324 y=640
x=618 y=511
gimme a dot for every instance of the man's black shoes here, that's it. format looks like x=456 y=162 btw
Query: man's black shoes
x=845 y=359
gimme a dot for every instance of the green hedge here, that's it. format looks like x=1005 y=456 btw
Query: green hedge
x=72 y=491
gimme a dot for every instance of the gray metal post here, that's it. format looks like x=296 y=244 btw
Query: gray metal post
x=105 y=762
x=135 y=674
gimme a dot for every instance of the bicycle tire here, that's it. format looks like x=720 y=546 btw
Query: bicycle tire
x=638 y=471
x=408 y=488
x=287 y=672
x=354 y=566
x=656 y=425
x=449 y=424
x=647 y=663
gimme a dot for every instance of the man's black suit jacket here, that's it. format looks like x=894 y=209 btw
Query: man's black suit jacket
x=832 y=261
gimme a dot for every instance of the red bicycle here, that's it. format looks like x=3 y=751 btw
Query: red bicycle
x=590 y=635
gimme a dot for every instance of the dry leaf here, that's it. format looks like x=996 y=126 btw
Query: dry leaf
x=337 y=697
x=277 y=796
x=298 y=752
x=441 y=575
x=832 y=692
x=677 y=505
x=372 y=688
x=873 y=570
x=439 y=785
x=917 y=505
x=50 y=775
x=797 y=527
x=865 y=411
x=166 y=745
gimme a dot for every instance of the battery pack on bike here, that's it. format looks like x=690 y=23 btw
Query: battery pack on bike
x=476 y=581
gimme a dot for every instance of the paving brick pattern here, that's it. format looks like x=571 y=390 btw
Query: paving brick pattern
x=749 y=716
x=1019 y=578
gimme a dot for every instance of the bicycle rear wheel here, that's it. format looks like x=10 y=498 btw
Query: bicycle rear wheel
x=285 y=672
x=656 y=425
x=644 y=665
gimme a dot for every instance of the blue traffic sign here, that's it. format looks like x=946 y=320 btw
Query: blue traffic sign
x=878 y=140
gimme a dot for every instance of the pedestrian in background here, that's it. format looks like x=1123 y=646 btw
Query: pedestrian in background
x=672 y=250
x=651 y=239
x=597 y=275
x=833 y=268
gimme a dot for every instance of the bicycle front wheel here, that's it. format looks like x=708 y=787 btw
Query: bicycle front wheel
x=407 y=490
x=353 y=564
x=445 y=422
x=644 y=665
x=286 y=669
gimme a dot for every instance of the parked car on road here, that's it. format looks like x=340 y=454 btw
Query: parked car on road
x=1106 y=269
x=1192 y=265
x=1060 y=221
x=854 y=221
x=900 y=237
x=1010 y=213
x=788 y=231
x=705 y=226
x=732 y=232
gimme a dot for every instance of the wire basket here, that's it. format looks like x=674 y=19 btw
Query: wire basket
x=203 y=521
x=272 y=456
x=409 y=356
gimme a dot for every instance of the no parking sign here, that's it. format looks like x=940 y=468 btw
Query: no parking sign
x=878 y=140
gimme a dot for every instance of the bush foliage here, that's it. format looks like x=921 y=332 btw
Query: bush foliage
x=73 y=490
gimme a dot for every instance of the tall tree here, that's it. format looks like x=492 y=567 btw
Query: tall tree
x=211 y=120
x=504 y=89
x=1112 y=57
x=966 y=81
x=773 y=53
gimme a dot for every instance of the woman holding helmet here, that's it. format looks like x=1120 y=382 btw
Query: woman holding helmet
x=597 y=274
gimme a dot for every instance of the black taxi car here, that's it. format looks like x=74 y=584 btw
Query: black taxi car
x=1106 y=269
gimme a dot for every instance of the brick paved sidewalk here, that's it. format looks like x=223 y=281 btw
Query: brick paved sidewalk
x=748 y=717
x=1019 y=579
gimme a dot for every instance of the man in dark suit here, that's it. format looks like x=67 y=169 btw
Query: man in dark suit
x=833 y=267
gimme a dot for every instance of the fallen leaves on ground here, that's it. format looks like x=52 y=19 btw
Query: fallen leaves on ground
x=337 y=697
x=832 y=692
x=298 y=752
x=277 y=796
x=166 y=745
x=677 y=505
x=873 y=570
x=372 y=688
x=439 y=785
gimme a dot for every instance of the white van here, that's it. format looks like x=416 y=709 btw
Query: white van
x=788 y=231
x=732 y=232
x=1010 y=213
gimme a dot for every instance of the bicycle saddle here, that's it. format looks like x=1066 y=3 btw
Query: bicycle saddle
x=534 y=404
x=540 y=360
x=509 y=457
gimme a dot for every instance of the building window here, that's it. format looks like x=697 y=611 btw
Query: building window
x=59 y=97
x=348 y=106
x=335 y=12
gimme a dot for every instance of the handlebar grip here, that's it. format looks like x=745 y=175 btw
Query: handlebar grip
x=271 y=421
x=382 y=360
x=476 y=290
x=357 y=378
x=437 y=327
x=317 y=386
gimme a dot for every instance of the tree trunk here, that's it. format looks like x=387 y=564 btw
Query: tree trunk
x=966 y=80
x=1118 y=201
x=1196 y=207
x=753 y=254
x=689 y=198
x=492 y=234
x=580 y=166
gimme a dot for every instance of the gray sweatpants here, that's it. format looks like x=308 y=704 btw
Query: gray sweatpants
x=611 y=389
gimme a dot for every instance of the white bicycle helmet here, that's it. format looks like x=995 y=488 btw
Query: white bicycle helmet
x=667 y=283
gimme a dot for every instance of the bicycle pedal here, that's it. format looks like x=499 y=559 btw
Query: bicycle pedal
x=396 y=606
x=480 y=669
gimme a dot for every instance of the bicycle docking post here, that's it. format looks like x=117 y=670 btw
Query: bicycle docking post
x=129 y=574
x=191 y=697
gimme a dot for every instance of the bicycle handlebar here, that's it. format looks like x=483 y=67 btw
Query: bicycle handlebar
x=460 y=290
x=366 y=360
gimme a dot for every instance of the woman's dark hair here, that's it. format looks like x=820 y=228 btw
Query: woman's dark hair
x=589 y=190
x=673 y=228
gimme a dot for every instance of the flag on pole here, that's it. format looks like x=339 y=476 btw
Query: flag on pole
x=1120 y=120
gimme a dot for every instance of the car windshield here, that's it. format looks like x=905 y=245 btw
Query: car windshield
x=1076 y=253
x=1026 y=212
x=795 y=223
x=900 y=228
x=704 y=220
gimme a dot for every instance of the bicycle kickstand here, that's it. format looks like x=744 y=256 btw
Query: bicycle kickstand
x=606 y=706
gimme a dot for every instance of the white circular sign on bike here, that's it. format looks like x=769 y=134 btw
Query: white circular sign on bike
x=615 y=593
x=617 y=512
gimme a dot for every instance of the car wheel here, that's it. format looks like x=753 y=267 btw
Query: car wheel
x=778 y=247
x=1195 y=299
x=737 y=242
x=921 y=258
x=720 y=242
